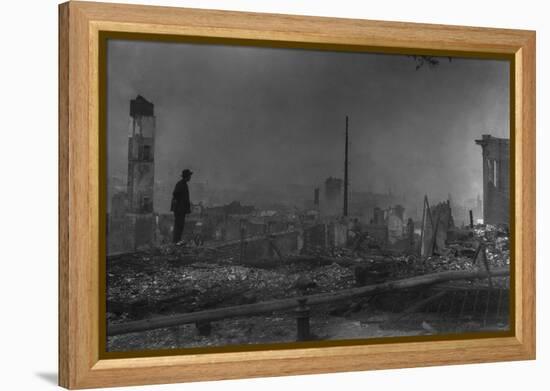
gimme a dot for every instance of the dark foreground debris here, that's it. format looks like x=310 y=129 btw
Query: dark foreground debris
x=174 y=282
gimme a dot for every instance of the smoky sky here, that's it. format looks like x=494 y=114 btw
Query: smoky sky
x=249 y=116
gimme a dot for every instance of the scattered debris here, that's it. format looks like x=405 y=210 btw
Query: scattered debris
x=171 y=280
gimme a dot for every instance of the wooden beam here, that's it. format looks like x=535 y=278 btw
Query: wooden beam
x=284 y=304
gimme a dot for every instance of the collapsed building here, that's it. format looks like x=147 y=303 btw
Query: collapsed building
x=257 y=262
x=496 y=179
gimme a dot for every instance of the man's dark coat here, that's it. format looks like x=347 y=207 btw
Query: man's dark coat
x=181 y=204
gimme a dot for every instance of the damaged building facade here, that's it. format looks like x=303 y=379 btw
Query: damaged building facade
x=496 y=179
x=131 y=223
x=141 y=162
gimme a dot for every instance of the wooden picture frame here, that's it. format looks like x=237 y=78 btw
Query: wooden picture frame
x=80 y=166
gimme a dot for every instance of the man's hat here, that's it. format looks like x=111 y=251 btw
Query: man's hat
x=186 y=172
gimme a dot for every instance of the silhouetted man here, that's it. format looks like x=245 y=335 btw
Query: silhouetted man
x=181 y=205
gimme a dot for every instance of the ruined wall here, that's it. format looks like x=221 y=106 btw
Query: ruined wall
x=141 y=147
x=496 y=179
x=337 y=234
x=332 y=203
x=144 y=230
x=141 y=188
x=325 y=235
x=438 y=220
x=120 y=234
x=131 y=224
x=395 y=228
x=119 y=204
x=443 y=220
x=263 y=248
x=130 y=232
x=378 y=216
x=377 y=231
x=255 y=229
x=396 y=223
x=315 y=236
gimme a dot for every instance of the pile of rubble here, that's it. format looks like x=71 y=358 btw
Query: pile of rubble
x=186 y=279
x=139 y=289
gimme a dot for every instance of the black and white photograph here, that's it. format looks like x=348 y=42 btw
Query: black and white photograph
x=272 y=195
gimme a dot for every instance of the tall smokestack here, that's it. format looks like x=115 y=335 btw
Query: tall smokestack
x=346 y=172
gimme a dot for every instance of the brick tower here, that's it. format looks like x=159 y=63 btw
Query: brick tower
x=141 y=159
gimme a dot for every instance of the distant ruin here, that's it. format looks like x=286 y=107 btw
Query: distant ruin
x=496 y=182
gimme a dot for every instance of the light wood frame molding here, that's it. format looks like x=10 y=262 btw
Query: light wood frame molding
x=80 y=365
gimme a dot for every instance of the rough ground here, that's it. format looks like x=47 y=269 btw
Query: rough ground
x=171 y=280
